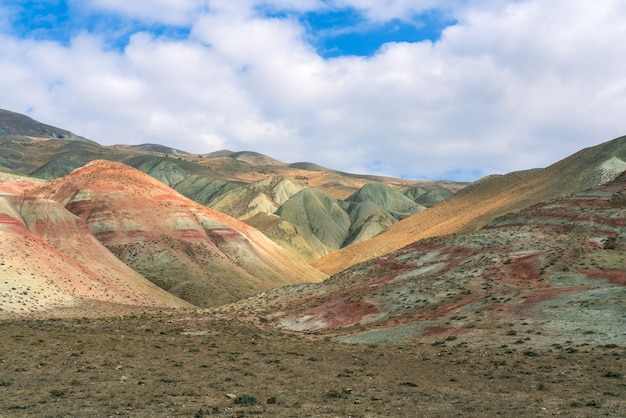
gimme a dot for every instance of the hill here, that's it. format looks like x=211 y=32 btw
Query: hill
x=193 y=252
x=18 y=126
x=49 y=261
x=551 y=273
x=240 y=184
x=488 y=198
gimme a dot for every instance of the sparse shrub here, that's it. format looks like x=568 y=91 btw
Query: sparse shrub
x=245 y=399
x=612 y=374
x=332 y=393
x=57 y=392
x=575 y=403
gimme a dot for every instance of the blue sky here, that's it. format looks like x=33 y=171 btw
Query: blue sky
x=408 y=88
x=333 y=32
x=347 y=31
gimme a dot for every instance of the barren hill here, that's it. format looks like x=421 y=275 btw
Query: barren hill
x=486 y=199
x=240 y=184
x=21 y=126
x=194 y=252
x=49 y=261
x=550 y=273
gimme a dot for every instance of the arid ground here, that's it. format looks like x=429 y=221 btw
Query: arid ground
x=161 y=364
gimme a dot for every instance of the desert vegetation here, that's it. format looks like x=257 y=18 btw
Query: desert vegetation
x=183 y=364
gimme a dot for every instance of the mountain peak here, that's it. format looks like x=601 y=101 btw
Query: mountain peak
x=24 y=127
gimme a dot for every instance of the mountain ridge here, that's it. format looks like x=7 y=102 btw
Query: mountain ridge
x=241 y=184
x=488 y=198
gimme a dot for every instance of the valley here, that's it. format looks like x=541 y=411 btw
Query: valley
x=147 y=281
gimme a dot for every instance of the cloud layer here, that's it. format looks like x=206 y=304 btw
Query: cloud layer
x=512 y=85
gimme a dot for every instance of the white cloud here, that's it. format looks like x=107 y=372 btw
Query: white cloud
x=513 y=85
x=172 y=12
x=378 y=10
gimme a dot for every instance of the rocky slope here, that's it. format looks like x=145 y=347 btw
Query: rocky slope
x=488 y=198
x=550 y=273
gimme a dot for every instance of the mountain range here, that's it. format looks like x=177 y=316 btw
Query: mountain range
x=536 y=255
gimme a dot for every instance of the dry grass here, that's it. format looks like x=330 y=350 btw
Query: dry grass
x=185 y=365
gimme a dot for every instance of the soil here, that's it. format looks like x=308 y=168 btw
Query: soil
x=188 y=363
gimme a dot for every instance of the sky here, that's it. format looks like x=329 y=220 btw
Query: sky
x=417 y=89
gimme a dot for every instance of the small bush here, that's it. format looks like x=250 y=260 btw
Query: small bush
x=57 y=392
x=332 y=393
x=245 y=399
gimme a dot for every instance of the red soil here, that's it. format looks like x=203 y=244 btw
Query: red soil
x=617 y=277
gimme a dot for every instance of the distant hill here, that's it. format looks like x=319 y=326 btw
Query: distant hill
x=241 y=184
x=21 y=126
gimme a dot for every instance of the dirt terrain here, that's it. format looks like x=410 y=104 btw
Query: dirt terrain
x=148 y=364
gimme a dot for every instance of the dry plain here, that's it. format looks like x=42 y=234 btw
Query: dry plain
x=188 y=363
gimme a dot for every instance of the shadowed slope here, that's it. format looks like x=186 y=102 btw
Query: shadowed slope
x=287 y=235
x=488 y=198
x=320 y=213
x=384 y=196
x=196 y=253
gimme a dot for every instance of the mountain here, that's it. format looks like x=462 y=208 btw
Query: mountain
x=198 y=254
x=534 y=257
x=18 y=126
x=240 y=184
x=544 y=275
x=493 y=196
x=49 y=261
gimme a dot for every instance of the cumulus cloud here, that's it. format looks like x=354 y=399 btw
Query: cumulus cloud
x=179 y=12
x=511 y=85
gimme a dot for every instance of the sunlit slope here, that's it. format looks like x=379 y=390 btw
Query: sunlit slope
x=196 y=253
x=488 y=198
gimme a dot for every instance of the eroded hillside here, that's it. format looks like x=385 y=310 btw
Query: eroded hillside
x=550 y=273
x=240 y=184
x=488 y=198
x=193 y=252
